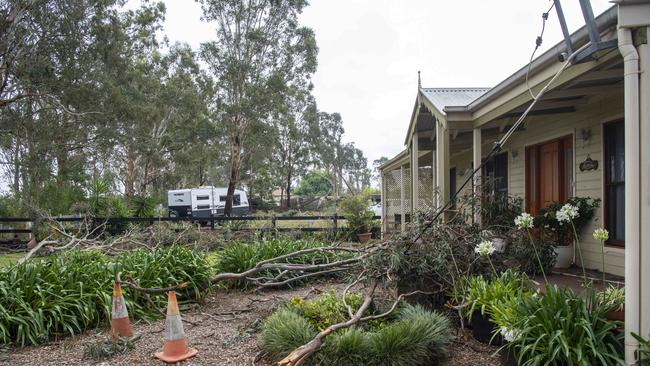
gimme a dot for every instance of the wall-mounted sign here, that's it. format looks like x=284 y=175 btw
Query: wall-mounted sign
x=589 y=164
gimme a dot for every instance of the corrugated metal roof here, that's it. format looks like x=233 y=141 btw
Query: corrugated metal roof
x=447 y=97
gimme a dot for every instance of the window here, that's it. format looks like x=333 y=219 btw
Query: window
x=202 y=198
x=495 y=172
x=236 y=199
x=179 y=194
x=614 y=168
x=202 y=207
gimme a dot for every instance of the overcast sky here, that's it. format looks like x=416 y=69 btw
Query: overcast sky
x=371 y=50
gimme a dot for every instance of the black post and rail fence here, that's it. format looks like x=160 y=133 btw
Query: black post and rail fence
x=16 y=225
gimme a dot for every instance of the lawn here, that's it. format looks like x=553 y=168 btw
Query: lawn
x=10 y=258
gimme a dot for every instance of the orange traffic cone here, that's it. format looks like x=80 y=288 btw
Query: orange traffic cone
x=120 y=325
x=174 y=342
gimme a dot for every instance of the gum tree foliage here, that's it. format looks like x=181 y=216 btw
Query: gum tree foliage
x=91 y=91
x=337 y=157
x=86 y=93
x=260 y=53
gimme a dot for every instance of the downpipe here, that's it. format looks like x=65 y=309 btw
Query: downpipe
x=632 y=192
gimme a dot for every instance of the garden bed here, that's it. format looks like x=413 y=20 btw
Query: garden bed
x=225 y=330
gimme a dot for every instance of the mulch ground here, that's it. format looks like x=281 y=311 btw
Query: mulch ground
x=225 y=330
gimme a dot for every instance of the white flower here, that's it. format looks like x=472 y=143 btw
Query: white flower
x=601 y=234
x=567 y=213
x=484 y=248
x=510 y=335
x=524 y=221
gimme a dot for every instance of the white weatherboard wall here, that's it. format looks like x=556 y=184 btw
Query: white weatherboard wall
x=591 y=117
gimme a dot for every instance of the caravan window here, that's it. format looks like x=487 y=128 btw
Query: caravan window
x=202 y=198
x=202 y=207
x=179 y=194
x=236 y=199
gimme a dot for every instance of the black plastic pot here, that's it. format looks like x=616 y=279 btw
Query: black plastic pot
x=507 y=356
x=483 y=329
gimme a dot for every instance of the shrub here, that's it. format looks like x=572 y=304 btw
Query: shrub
x=357 y=214
x=558 y=327
x=557 y=232
x=70 y=292
x=284 y=331
x=326 y=309
x=350 y=346
x=415 y=337
x=521 y=250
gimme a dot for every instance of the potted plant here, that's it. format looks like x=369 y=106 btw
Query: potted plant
x=613 y=298
x=558 y=327
x=355 y=209
x=560 y=234
x=482 y=298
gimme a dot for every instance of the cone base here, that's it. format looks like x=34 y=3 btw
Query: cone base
x=121 y=327
x=191 y=352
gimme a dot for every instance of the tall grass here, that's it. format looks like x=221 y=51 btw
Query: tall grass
x=67 y=293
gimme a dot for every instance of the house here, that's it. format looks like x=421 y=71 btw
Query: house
x=596 y=110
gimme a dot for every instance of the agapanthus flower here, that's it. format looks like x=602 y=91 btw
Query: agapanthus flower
x=485 y=248
x=510 y=335
x=601 y=234
x=524 y=221
x=567 y=213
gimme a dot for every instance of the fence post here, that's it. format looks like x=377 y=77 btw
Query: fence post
x=273 y=226
x=211 y=221
x=336 y=226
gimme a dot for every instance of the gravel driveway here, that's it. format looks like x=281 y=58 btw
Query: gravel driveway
x=225 y=330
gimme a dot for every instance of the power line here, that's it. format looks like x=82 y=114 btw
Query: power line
x=538 y=43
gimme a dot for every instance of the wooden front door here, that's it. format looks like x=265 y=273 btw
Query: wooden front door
x=549 y=167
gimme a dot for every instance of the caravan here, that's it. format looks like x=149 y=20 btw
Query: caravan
x=205 y=201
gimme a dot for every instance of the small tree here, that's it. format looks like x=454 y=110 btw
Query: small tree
x=356 y=212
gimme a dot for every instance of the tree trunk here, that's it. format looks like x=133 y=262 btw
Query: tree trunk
x=235 y=152
x=17 y=167
x=289 y=190
x=130 y=174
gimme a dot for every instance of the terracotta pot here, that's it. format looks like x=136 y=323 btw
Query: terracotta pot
x=483 y=329
x=363 y=238
x=617 y=315
x=564 y=256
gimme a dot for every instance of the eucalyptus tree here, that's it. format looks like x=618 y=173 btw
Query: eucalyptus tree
x=293 y=144
x=260 y=52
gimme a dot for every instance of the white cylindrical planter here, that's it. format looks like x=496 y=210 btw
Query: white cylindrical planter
x=564 y=256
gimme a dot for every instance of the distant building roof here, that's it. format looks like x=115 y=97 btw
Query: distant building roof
x=448 y=97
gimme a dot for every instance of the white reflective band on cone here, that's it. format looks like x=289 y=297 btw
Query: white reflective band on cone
x=174 y=328
x=119 y=308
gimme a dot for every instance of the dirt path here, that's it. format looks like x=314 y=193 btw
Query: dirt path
x=225 y=331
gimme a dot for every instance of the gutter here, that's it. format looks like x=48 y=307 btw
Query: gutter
x=393 y=160
x=607 y=19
